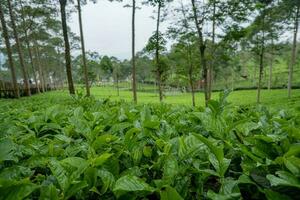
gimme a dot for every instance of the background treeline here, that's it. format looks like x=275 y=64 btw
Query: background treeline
x=215 y=44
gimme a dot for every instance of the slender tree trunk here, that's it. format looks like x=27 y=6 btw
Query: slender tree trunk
x=40 y=70
x=67 y=45
x=160 y=89
x=20 y=53
x=62 y=76
x=270 y=74
x=61 y=69
x=118 y=90
x=261 y=62
x=293 y=56
x=44 y=72
x=254 y=79
x=232 y=79
x=9 y=54
x=133 y=53
x=86 y=79
x=45 y=77
x=191 y=76
x=261 y=67
x=31 y=62
x=210 y=75
x=271 y=67
x=189 y=57
x=32 y=65
x=202 y=48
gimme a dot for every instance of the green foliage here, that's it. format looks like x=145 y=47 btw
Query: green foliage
x=153 y=41
x=130 y=183
x=82 y=148
x=169 y=193
x=106 y=65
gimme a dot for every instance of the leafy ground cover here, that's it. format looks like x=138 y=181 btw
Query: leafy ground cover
x=57 y=147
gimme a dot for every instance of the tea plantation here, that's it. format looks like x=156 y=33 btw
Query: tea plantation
x=58 y=147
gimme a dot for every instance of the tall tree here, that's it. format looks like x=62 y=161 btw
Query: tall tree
x=182 y=52
x=257 y=37
x=133 y=52
x=159 y=4
x=184 y=58
x=18 y=44
x=63 y=4
x=157 y=34
x=211 y=66
x=202 y=46
x=9 y=53
x=25 y=29
x=275 y=30
x=262 y=30
x=40 y=69
x=83 y=50
x=226 y=18
x=38 y=28
x=271 y=66
x=294 y=7
x=261 y=62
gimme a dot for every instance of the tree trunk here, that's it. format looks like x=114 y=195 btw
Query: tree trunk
x=118 y=90
x=189 y=57
x=191 y=76
x=38 y=64
x=293 y=56
x=271 y=68
x=9 y=54
x=270 y=74
x=20 y=53
x=44 y=72
x=46 y=77
x=260 y=74
x=210 y=74
x=202 y=48
x=83 y=52
x=40 y=69
x=67 y=45
x=133 y=54
x=32 y=65
x=192 y=90
x=261 y=62
x=31 y=62
x=61 y=69
x=254 y=79
x=159 y=81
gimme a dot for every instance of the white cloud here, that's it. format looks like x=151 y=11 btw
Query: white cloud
x=107 y=28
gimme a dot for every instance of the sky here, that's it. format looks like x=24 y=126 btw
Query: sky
x=107 y=27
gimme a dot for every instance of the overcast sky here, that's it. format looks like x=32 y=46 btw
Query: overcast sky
x=107 y=28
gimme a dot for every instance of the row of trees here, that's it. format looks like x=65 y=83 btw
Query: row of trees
x=208 y=37
x=32 y=32
x=233 y=24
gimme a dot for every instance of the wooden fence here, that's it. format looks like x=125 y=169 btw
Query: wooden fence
x=7 y=89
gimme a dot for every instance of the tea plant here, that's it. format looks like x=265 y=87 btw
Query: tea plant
x=81 y=148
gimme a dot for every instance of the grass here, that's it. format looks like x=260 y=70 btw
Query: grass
x=274 y=98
